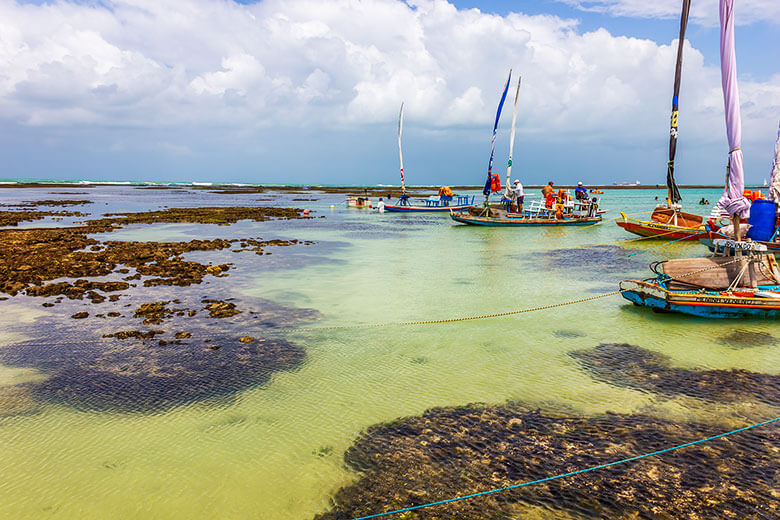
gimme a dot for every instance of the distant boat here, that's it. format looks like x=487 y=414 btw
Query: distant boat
x=441 y=204
x=565 y=212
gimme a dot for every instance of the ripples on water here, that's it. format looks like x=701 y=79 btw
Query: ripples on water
x=221 y=433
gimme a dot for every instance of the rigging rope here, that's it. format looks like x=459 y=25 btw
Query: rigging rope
x=571 y=473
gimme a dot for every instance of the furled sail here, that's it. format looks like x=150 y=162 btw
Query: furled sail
x=400 y=153
x=674 y=193
x=774 y=185
x=490 y=184
x=733 y=201
x=508 y=192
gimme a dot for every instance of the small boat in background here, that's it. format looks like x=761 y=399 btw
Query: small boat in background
x=573 y=214
x=596 y=192
x=564 y=212
x=441 y=204
x=359 y=202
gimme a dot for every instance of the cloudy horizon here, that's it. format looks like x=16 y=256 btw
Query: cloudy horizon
x=302 y=91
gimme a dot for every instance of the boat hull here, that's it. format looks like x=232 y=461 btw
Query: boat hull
x=647 y=228
x=465 y=218
x=707 y=240
x=701 y=304
x=424 y=209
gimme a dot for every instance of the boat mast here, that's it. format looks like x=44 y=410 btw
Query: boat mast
x=512 y=140
x=487 y=190
x=400 y=153
x=733 y=200
x=674 y=194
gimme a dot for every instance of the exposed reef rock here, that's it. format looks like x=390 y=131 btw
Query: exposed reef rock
x=453 y=452
x=31 y=257
x=12 y=218
x=107 y=359
x=208 y=215
x=634 y=367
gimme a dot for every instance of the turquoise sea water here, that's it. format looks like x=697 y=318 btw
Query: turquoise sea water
x=275 y=450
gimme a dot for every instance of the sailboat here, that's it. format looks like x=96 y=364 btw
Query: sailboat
x=567 y=213
x=668 y=220
x=442 y=204
x=740 y=279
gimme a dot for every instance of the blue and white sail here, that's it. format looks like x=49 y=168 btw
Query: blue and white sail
x=490 y=184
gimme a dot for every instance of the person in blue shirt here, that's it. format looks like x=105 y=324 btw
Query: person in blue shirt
x=580 y=193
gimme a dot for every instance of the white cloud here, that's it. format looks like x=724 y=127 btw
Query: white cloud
x=702 y=11
x=293 y=63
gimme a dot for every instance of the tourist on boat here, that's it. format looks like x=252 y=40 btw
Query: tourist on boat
x=518 y=195
x=445 y=195
x=581 y=193
x=380 y=206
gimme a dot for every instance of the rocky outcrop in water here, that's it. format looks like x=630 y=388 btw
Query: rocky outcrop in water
x=634 y=367
x=452 y=452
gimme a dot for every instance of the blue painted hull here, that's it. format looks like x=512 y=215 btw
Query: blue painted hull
x=710 y=304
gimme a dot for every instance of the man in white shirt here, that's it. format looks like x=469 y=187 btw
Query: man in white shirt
x=519 y=195
x=380 y=206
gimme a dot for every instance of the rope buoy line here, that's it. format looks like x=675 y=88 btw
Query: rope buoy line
x=375 y=325
x=457 y=319
x=570 y=474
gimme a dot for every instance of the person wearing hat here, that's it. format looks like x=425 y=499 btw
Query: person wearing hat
x=518 y=195
x=580 y=193
x=548 y=194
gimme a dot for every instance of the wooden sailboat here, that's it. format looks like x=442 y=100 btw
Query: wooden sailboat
x=740 y=279
x=442 y=204
x=566 y=213
x=668 y=220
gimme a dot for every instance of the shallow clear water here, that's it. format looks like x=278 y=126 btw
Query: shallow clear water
x=275 y=451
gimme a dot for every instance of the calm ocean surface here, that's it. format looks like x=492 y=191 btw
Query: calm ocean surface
x=275 y=450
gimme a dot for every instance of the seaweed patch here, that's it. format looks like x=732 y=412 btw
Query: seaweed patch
x=747 y=338
x=600 y=263
x=453 y=452
x=185 y=359
x=634 y=367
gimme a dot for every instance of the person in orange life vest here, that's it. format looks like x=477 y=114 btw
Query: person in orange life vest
x=548 y=193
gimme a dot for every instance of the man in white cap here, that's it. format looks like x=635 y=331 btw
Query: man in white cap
x=519 y=195
x=580 y=193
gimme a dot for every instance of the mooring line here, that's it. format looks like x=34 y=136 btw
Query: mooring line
x=454 y=320
x=571 y=473
x=119 y=341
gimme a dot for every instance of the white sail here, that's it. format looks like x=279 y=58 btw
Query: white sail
x=508 y=191
x=400 y=152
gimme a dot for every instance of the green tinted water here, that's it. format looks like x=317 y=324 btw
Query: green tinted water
x=276 y=451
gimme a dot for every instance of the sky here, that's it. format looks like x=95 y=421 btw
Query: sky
x=308 y=91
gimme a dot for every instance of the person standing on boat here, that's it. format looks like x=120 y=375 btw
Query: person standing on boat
x=580 y=193
x=518 y=194
x=548 y=194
